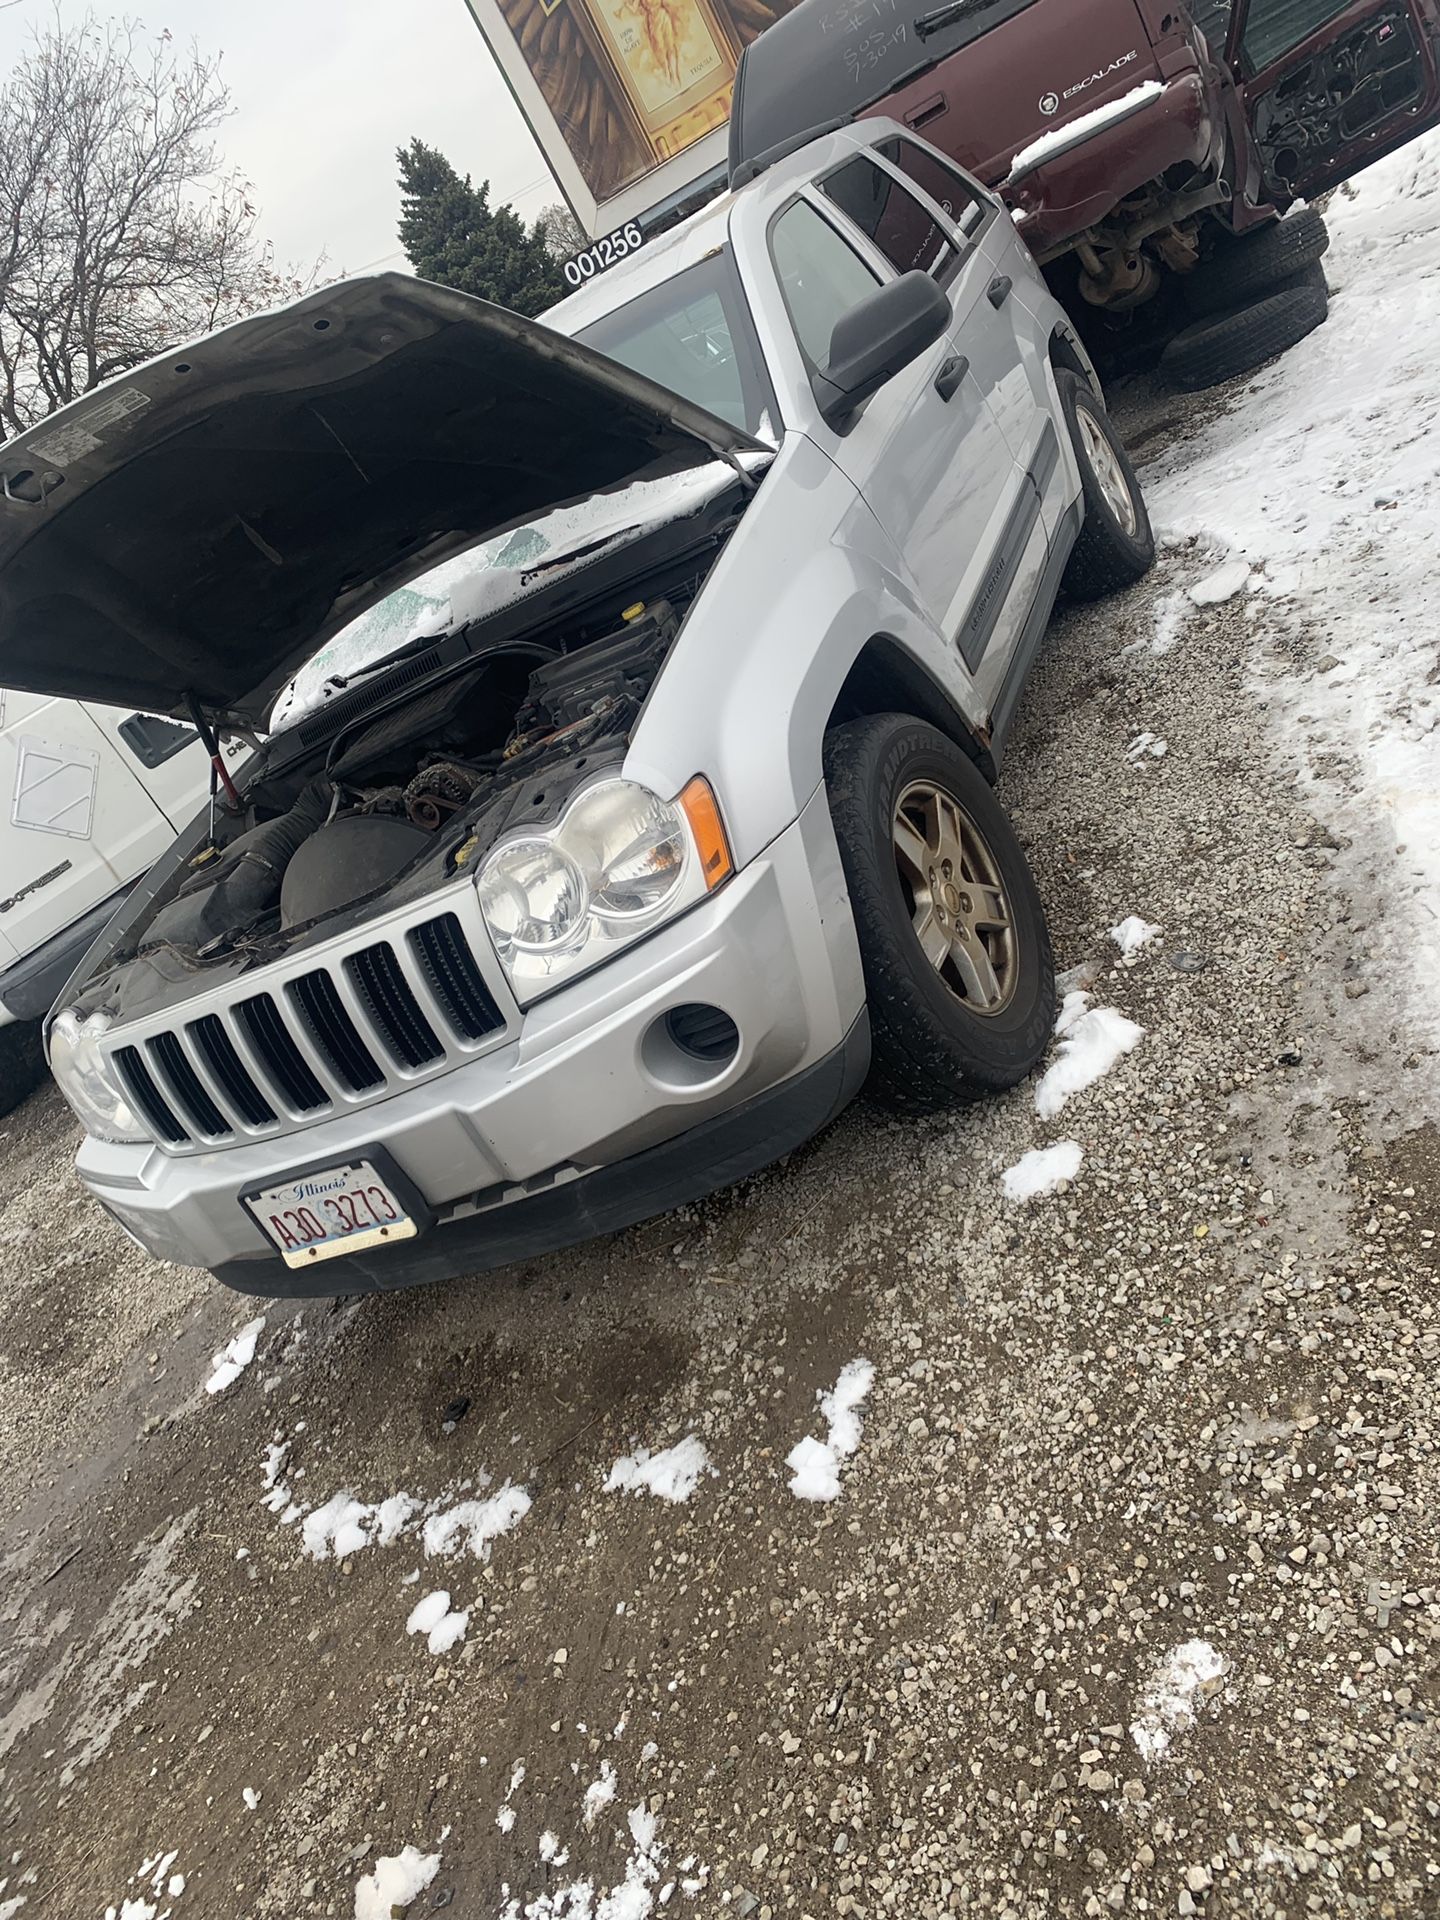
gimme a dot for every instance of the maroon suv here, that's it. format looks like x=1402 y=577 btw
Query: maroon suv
x=1134 y=140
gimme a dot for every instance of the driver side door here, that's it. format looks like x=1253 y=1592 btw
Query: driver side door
x=1330 y=85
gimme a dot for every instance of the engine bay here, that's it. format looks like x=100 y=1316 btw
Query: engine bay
x=393 y=801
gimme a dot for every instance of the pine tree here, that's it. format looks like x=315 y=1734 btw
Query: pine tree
x=452 y=234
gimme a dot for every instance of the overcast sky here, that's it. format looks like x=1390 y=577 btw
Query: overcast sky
x=324 y=92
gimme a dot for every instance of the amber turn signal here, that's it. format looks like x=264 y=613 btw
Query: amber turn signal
x=702 y=810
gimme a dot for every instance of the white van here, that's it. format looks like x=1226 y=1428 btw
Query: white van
x=90 y=796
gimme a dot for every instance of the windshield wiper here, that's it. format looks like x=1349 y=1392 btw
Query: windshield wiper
x=946 y=16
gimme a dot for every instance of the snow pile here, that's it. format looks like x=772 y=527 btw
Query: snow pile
x=505 y=1818
x=599 y=1794
x=1092 y=1040
x=234 y=1357
x=1221 y=585
x=1041 y=1170
x=1061 y=139
x=1132 y=934
x=398 y=1879
x=815 y=1464
x=632 y=1898
x=475 y=1523
x=1327 y=477
x=1186 y=1677
x=161 y=1884
x=672 y=1475
x=432 y=1617
x=1146 y=746
x=345 y=1525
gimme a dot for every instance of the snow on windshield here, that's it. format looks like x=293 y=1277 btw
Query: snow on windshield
x=495 y=573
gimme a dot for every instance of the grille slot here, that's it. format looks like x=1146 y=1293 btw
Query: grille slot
x=147 y=1097
x=335 y=1033
x=453 y=977
x=391 y=1006
x=282 y=1059
x=176 y=1073
x=217 y=1050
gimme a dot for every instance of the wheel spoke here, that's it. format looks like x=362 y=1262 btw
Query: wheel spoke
x=933 y=938
x=992 y=910
x=975 y=968
x=911 y=850
x=951 y=845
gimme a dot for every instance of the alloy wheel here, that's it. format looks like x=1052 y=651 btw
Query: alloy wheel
x=958 y=904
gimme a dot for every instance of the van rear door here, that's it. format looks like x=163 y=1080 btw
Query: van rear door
x=1330 y=85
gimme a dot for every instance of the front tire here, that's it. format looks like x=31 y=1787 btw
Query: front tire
x=22 y=1062
x=958 y=970
x=1116 y=546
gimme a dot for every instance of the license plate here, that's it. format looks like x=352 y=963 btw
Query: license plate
x=339 y=1210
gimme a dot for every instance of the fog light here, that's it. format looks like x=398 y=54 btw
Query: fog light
x=704 y=1033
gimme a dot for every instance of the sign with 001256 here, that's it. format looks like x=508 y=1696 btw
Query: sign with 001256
x=608 y=251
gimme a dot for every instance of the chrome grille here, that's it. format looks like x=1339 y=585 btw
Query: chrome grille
x=336 y=1030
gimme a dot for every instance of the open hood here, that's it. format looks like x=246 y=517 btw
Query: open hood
x=200 y=527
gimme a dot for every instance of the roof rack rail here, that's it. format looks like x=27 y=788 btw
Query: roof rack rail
x=749 y=170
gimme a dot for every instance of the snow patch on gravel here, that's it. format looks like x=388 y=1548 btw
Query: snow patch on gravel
x=234 y=1357
x=432 y=1617
x=815 y=1464
x=598 y=1794
x=1132 y=934
x=671 y=1475
x=1221 y=585
x=1336 y=501
x=1092 y=1040
x=398 y=1880
x=1041 y=1170
x=345 y=1525
x=1184 y=1679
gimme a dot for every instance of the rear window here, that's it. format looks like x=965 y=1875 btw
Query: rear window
x=907 y=233
x=830 y=59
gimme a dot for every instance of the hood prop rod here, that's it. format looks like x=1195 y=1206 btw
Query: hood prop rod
x=219 y=772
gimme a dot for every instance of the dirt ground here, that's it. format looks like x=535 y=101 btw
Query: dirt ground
x=1130 y=1598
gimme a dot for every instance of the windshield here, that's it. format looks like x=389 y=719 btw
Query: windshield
x=479 y=582
x=829 y=60
x=693 y=334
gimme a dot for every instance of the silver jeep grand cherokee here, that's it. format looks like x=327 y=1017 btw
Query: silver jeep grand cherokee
x=639 y=804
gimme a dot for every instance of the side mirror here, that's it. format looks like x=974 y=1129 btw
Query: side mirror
x=882 y=333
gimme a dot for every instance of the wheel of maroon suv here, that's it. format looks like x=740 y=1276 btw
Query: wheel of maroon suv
x=959 y=977
x=1228 y=344
x=1116 y=545
x=1241 y=270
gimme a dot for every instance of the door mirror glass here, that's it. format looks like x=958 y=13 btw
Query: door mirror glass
x=886 y=331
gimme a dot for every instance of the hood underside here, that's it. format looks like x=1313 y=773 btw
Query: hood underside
x=199 y=528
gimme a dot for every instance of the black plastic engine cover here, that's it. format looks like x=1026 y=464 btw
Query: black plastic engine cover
x=344 y=861
x=621 y=667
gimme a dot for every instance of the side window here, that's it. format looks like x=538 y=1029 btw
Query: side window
x=906 y=232
x=820 y=276
x=950 y=190
x=1274 y=28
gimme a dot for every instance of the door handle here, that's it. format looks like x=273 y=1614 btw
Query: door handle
x=999 y=291
x=952 y=372
x=927 y=110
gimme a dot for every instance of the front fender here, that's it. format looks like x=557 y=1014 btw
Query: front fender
x=808 y=578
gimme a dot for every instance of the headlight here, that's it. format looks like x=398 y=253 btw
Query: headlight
x=618 y=863
x=83 y=1078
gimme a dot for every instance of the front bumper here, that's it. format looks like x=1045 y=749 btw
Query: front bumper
x=557 y=1134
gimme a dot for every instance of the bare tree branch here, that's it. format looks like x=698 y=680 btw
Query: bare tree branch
x=121 y=231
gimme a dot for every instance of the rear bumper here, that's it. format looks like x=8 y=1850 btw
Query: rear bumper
x=590 y=1085
x=1181 y=126
x=707 y=1157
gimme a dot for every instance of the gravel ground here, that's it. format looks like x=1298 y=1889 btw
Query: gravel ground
x=1130 y=1598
